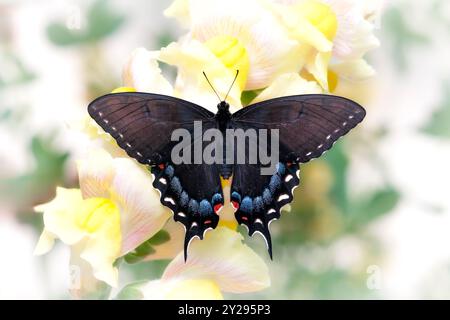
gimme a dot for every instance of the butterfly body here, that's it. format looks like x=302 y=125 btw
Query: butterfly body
x=306 y=126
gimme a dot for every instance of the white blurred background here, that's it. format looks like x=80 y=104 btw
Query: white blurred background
x=400 y=251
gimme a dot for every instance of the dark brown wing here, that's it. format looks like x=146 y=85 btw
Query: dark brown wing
x=142 y=124
x=308 y=126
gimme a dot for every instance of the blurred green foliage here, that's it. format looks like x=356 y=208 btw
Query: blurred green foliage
x=101 y=21
x=439 y=124
x=35 y=186
x=18 y=73
x=131 y=292
x=402 y=35
x=438 y=12
x=47 y=166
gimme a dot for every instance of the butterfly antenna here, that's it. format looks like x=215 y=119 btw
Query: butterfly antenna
x=220 y=100
x=229 y=90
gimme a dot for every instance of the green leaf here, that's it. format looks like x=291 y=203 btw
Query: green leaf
x=132 y=258
x=164 y=39
x=146 y=248
x=439 y=124
x=101 y=22
x=60 y=35
x=18 y=73
x=159 y=238
x=338 y=162
x=378 y=204
x=36 y=185
x=5 y=115
x=248 y=96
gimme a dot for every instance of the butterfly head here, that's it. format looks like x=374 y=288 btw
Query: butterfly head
x=223 y=106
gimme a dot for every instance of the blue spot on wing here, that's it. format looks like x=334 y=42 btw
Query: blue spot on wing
x=258 y=204
x=170 y=171
x=281 y=169
x=217 y=198
x=267 y=196
x=236 y=196
x=184 y=199
x=205 y=208
x=275 y=183
x=176 y=186
x=246 y=205
x=193 y=206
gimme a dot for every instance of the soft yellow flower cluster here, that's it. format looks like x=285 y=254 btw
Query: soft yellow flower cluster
x=280 y=48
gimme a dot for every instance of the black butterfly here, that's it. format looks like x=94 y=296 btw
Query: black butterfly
x=142 y=124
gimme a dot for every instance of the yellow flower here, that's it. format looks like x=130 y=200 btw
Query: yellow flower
x=332 y=36
x=244 y=35
x=115 y=210
x=92 y=224
x=192 y=58
x=219 y=263
x=286 y=85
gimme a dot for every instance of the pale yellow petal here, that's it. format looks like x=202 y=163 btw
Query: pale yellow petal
x=141 y=213
x=179 y=9
x=300 y=28
x=45 y=243
x=249 y=22
x=195 y=289
x=287 y=85
x=60 y=215
x=224 y=259
x=192 y=58
x=82 y=282
x=356 y=24
x=95 y=174
x=181 y=289
x=174 y=246
x=103 y=244
x=318 y=67
x=123 y=89
x=142 y=73
x=353 y=70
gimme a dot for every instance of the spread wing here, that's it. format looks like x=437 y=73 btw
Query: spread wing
x=142 y=124
x=308 y=126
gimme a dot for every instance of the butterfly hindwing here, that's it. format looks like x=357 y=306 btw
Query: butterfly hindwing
x=258 y=198
x=194 y=193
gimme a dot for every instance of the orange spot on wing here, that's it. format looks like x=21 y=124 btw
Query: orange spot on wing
x=217 y=208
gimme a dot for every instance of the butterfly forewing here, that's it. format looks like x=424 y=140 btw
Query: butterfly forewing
x=308 y=124
x=142 y=123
